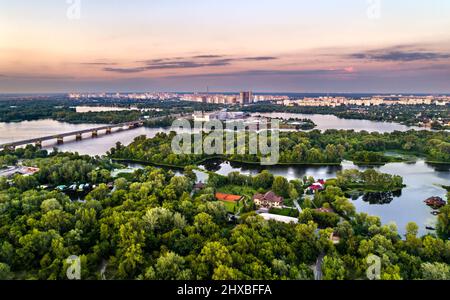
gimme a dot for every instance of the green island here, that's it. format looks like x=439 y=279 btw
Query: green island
x=151 y=224
x=313 y=147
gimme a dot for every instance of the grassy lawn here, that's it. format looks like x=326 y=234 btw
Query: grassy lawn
x=232 y=207
x=237 y=190
x=284 y=212
x=288 y=202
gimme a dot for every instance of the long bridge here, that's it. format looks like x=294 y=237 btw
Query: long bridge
x=78 y=135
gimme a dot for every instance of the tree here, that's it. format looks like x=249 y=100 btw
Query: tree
x=263 y=180
x=100 y=193
x=5 y=272
x=443 y=223
x=130 y=244
x=391 y=273
x=3 y=183
x=293 y=194
x=343 y=206
x=204 y=224
x=50 y=204
x=180 y=184
x=280 y=186
x=25 y=182
x=121 y=184
x=412 y=229
x=225 y=273
x=162 y=220
x=170 y=266
x=435 y=271
x=213 y=255
x=189 y=173
x=333 y=268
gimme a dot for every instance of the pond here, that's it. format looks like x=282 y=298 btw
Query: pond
x=422 y=180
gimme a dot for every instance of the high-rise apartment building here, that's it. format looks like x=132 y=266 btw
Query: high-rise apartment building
x=246 y=98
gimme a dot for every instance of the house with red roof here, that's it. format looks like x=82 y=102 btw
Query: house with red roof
x=319 y=185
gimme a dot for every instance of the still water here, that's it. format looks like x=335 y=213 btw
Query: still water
x=325 y=122
x=10 y=132
x=85 y=109
x=421 y=179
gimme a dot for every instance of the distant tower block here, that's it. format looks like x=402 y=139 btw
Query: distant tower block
x=108 y=130
x=94 y=133
x=246 y=98
x=60 y=140
x=78 y=137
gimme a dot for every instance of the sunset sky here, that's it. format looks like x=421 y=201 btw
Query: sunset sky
x=228 y=45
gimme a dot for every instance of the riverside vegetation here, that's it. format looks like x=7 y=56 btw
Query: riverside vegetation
x=313 y=147
x=152 y=226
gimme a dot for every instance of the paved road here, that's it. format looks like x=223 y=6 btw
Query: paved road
x=297 y=206
x=318 y=267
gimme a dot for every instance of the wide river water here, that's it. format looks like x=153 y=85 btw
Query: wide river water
x=422 y=180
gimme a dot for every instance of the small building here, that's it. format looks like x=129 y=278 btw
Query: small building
x=279 y=218
x=268 y=200
x=319 y=185
x=199 y=186
x=13 y=170
x=325 y=210
x=61 y=187
x=27 y=171
x=228 y=197
x=334 y=238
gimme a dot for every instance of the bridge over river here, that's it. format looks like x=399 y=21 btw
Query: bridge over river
x=78 y=134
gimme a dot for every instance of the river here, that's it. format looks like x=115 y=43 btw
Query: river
x=325 y=122
x=422 y=180
x=10 y=132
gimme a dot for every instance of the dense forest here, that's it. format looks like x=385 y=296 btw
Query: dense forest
x=151 y=225
x=331 y=146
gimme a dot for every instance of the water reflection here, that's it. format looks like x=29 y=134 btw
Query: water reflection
x=381 y=197
x=325 y=122
x=289 y=171
x=422 y=180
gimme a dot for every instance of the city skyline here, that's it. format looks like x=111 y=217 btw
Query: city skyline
x=263 y=46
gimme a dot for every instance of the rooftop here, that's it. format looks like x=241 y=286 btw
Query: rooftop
x=279 y=218
x=269 y=196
